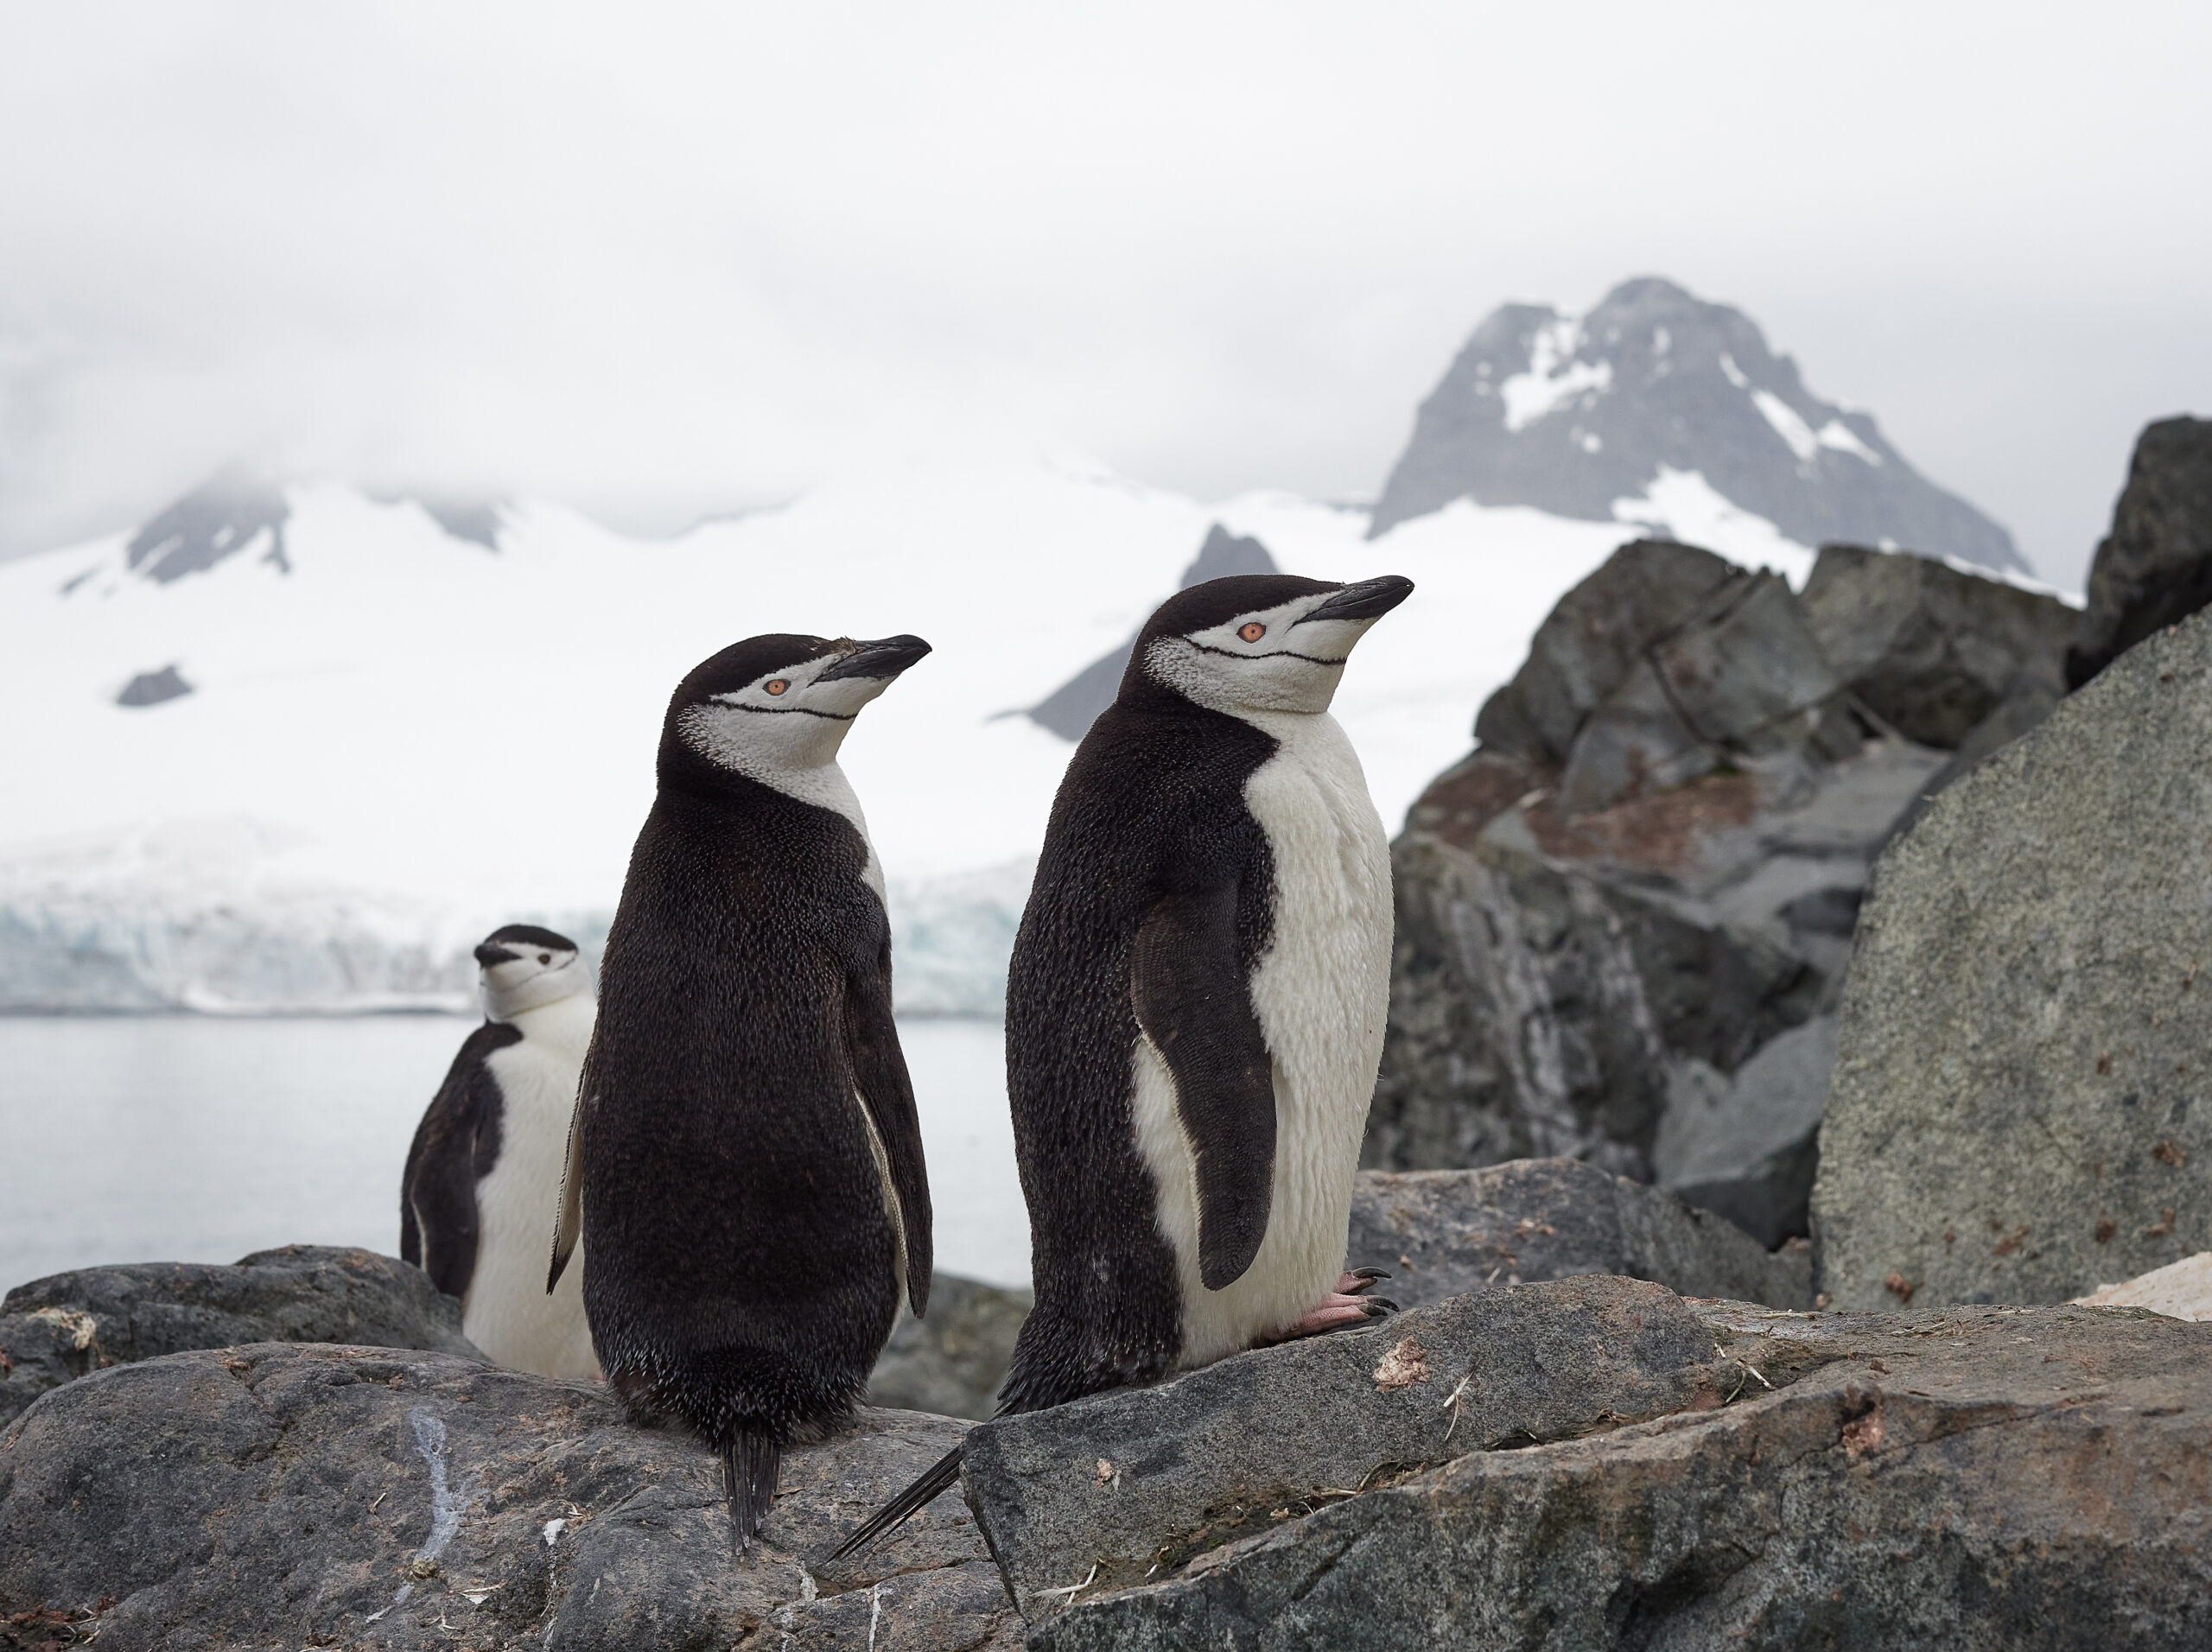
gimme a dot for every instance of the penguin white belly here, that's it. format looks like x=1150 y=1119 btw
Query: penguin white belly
x=1321 y=991
x=506 y=1310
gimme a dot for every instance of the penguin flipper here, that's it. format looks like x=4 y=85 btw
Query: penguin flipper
x=1189 y=986
x=456 y=1144
x=887 y=1093
x=568 y=1217
x=935 y=1479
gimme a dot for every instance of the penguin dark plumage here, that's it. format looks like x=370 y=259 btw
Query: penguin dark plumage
x=483 y=1171
x=1196 y=1004
x=745 y=1162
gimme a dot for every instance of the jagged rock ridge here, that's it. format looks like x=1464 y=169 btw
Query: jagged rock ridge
x=1572 y=415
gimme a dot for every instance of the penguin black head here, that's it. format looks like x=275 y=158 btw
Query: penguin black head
x=770 y=707
x=1256 y=642
x=521 y=966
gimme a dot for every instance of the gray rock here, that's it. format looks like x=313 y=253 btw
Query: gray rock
x=154 y=688
x=283 y=1495
x=953 y=1362
x=1593 y=638
x=1739 y=675
x=1070 y=709
x=1987 y=1479
x=1746 y=1147
x=2018 y=1112
x=1571 y=414
x=1559 y=979
x=1444 y=1233
x=2155 y=568
x=55 y=1330
x=1930 y=650
x=1100 y=1492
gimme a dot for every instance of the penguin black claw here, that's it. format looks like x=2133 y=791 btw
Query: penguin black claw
x=1379 y=1308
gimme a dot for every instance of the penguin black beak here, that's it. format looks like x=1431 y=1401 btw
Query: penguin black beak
x=886 y=657
x=487 y=955
x=1369 y=600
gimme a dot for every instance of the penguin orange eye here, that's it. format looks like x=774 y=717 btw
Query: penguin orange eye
x=776 y=685
x=545 y=957
x=1252 y=630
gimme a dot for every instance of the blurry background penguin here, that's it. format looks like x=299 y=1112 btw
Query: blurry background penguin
x=1195 y=1009
x=747 y=1163
x=484 y=1175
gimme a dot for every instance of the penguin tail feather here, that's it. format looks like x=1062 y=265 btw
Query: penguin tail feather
x=937 y=1478
x=750 y=1457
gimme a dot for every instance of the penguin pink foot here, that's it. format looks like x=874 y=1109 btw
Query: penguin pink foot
x=1335 y=1311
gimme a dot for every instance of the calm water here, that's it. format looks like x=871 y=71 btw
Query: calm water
x=193 y=1138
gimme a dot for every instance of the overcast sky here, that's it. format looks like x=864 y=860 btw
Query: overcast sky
x=662 y=261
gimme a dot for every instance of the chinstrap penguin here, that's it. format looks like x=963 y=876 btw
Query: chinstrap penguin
x=484 y=1172
x=745 y=1162
x=1196 y=1003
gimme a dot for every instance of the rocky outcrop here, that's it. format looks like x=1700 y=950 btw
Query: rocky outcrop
x=2155 y=568
x=2019 y=1109
x=953 y=1362
x=280 y=1495
x=1976 y=1478
x=55 y=1330
x=1442 y=1233
x=1930 y=650
x=1580 y=415
x=1102 y=1493
x=2180 y=1290
x=1622 y=921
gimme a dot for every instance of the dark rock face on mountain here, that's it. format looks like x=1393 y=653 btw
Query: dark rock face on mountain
x=1445 y=1233
x=1570 y=415
x=951 y=1362
x=280 y=1495
x=154 y=688
x=2155 y=568
x=1622 y=921
x=1069 y=709
x=2019 y=1110
x=55 y=1330
x=1983 y=1478
x=217 y=520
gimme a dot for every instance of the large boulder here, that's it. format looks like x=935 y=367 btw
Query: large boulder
x=953 y=1362
x=288 y=1495
x=1104 y=1492
x=1622 y=921
x=2018 y=1111
x=2155 y=568
x=1590 y=986
x=55 y=1330
x=1932 y=650
x=1444 y=1233
x=1984 y=1479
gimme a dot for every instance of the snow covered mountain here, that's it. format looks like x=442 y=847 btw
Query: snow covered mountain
x=295 y=749
x=1597 y=416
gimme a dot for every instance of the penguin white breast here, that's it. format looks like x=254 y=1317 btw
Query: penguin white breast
x=1321 y=991
x=506 y=1311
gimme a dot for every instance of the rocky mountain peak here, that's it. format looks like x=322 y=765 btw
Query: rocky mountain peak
x=1580 y=415
x=216 y=520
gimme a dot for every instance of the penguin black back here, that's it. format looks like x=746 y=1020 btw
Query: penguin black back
x=747 y=1160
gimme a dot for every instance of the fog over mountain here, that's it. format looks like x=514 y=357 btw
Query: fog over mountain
x=683 y=260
